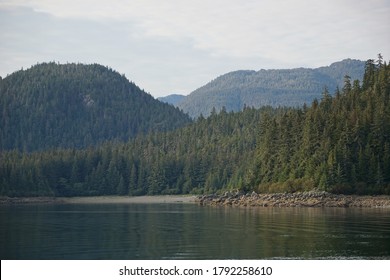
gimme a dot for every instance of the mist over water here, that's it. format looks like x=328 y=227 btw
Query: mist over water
x=189 y=231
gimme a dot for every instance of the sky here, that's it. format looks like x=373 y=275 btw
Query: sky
x=177 y=46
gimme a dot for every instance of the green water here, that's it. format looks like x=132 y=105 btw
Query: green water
x=188 y=231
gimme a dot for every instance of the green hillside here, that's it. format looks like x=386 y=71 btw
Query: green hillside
x=288 y=87
x=339 y=144
x=74 y=106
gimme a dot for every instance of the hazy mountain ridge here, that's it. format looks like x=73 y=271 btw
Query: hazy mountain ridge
x=276 y=87
x=172 y=99
x=74 y=106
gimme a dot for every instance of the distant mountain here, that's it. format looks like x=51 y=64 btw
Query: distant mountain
x=286 y=87
x=172 y=99
x=75 y=105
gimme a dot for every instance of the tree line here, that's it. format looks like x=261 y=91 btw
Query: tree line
x=340 y=144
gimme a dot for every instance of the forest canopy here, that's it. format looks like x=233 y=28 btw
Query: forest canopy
x=73 y=105
x=272 y=87
x=340 y=144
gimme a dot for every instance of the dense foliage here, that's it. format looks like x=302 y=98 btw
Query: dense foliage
x=75 y=105
x=340 y=143
x=203 y=157
x=289 y=87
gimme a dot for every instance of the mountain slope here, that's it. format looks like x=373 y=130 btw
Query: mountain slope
x=75 y=105
x=172 y=99
x=338 y=144
x=290 y=87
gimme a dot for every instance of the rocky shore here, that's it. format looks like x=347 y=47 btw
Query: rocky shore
x=234 y=199
x=299 y=199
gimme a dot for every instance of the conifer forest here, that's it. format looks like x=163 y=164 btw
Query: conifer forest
x=83 y=141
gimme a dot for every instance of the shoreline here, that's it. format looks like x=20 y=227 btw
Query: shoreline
x=313 y=199
x=99 y=199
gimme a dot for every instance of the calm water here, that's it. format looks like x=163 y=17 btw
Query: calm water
x=187 y=231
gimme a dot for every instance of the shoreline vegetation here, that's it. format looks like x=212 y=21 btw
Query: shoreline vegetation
x=230 y=199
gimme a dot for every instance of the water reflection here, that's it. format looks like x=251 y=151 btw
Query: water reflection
x=185 y=231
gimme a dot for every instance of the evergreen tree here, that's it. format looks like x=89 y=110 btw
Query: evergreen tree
x=338 y=144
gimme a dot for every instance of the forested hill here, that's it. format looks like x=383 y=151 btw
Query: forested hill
x=74 y=105
x=290 y=87
x=339 y=144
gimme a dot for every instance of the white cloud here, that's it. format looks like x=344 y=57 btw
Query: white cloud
x=173 y=35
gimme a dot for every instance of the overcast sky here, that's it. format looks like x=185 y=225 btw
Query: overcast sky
x=176 y=46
